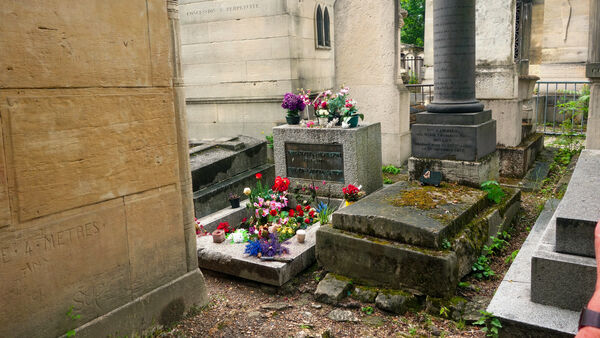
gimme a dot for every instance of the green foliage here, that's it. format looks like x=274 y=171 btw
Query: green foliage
x=412 y=331
x=73 y=317
x=367 y=310
x=269 y=140
x=491 y=323
x=481 y=268
x=413 y=31
x=494 y=191
x=446 y=245
x=387 y=181
x=391 y=169
x=444 y=311
x=512 y=256
x=498 y=243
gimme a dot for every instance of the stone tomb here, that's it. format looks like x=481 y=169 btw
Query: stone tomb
x=408 y=236
x=335 y=155
x=223 y=166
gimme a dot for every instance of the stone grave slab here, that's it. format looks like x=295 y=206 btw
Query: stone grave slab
x=383 y=262
x=230 y=259
x=579 y=211
x=391 y=213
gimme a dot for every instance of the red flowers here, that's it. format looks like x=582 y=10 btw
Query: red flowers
x=300 y=213
x=225 y=227
x=307 y=208
x=311 y=214
x=273 y=212
x=258 y=176
x=281 y=184
x=292 y=213
x=298 y=208
x=352 y=193
x=307 y=220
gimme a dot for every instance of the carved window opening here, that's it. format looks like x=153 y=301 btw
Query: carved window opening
x=518 y=30
x=326 y=28
x=320 y=40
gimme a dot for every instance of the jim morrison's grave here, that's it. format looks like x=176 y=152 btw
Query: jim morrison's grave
x=425 y=238
x=326 y=158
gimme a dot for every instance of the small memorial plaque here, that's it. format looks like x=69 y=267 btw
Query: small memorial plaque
x=592 y=70
x=319 y=162
x=430 y=177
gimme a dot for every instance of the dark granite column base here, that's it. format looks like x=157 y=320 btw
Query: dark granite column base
x=454 y=136
x=470 y=173
x=452 y=108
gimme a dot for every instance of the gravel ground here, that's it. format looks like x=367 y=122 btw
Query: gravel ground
x=240 y=308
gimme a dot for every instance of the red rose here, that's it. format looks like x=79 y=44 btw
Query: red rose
x=273 y=212
x=292 y=213
x=311 y=214
x=307 y=208
x=300 y=213
x=298 y=208
x=307 y=221
x=258 y=176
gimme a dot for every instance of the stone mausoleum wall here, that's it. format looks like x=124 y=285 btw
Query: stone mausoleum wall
x=91 y=212
x=240 y=56
x=559 y=39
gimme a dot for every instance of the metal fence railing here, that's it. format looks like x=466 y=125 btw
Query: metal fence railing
x=420 y=96
x=413 y=66
x=561 y=106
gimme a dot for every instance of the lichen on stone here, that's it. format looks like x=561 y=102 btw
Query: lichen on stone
x=430 y=197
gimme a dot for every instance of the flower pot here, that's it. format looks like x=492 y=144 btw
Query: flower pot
x=218 y=236
x=353 y=121
x=301 y=236
x=323 y=121
x=293 y=119
x=235 y=203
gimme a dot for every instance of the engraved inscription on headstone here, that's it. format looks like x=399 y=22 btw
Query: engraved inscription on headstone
x=319 y=162
x=447 y=142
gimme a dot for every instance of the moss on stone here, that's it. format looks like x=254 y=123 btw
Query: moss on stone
x=430 y=197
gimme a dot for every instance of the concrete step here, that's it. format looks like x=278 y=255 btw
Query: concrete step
x=215 y=197
x=557 y=279
x=579 y=211
x=218 y=160
x=512 y=303
x=379 y=215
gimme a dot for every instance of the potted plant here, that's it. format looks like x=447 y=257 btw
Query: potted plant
x=350 y=113
x=234 y=199
x=322 y=116
x=294 y=105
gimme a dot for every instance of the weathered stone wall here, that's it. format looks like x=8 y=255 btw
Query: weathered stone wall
x=240 y=56
x=90 y=194
x=560 y=39
x=366 y=60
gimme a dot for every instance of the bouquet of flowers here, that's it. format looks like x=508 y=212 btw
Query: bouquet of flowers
x=294 y=104
x=352 y=193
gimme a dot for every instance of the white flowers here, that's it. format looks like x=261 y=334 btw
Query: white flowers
x=322 y=113
x=247 y=191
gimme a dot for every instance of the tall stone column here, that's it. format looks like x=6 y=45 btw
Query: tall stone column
x=455 y=136
x=454 y=57
x=593 y=73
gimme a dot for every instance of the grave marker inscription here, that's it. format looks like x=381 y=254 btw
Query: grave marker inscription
x=320 y=162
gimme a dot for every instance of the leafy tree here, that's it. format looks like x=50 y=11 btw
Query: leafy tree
x=413 y=31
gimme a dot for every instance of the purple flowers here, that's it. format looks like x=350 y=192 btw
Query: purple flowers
x=293 y=103
x=266 y=248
